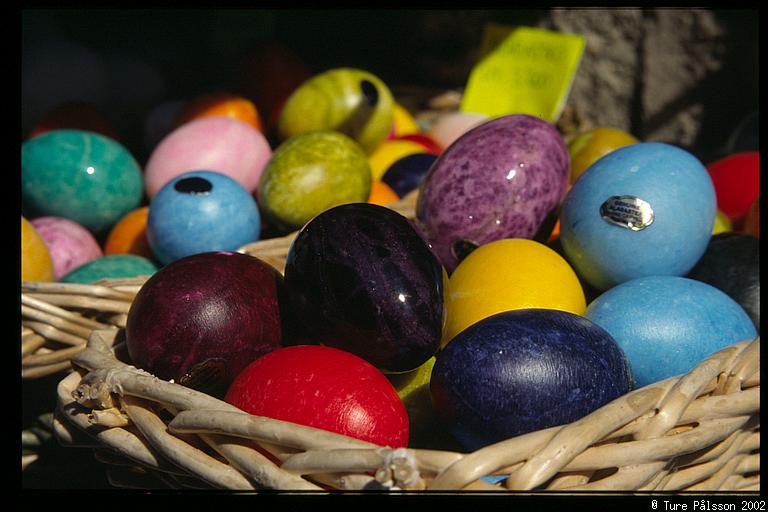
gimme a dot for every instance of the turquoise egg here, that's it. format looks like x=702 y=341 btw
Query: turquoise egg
x=114 y=266
x=79 y=175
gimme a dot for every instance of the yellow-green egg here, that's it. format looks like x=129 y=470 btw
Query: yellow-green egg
x=311 y=173
x=351 y=101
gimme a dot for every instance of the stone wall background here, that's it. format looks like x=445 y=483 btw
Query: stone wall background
x=686 y=76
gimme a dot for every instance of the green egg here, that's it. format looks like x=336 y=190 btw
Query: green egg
x=114 y=266
x=347 y=100
x=310 y=173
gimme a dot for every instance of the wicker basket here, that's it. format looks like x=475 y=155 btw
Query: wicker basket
x=697 y=432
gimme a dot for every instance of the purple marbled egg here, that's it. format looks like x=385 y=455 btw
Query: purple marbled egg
x=69 y=243
x=361 y=279
x=499 y=180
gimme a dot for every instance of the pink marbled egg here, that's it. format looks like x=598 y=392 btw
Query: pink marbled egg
x=219 y=144
x=69 y=243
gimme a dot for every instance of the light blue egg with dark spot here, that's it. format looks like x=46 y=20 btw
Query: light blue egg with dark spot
x=668 y=324
x=201 y=211
x=641 y=210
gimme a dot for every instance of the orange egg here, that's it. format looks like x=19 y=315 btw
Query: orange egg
x=752 y=221
x=221 y=104
x=382 y=194
x=129 y=235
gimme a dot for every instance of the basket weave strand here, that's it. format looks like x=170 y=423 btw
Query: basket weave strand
x=699 y=431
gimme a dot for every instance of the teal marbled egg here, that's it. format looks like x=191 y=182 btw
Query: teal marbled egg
x=348 y=100
x=113 y=266
x=79 y=175
x=311 y=173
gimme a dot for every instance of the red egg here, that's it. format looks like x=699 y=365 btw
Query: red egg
x=429 y=144
x=325 y=388
x=736 y=179
x=75 y=115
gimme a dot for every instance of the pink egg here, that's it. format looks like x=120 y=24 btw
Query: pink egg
x=69 y=243
x=450 y=127
x=219 y=144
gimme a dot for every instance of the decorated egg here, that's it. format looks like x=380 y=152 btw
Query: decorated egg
x=589 y=146
x=446 y=129
x=403 y=122
x=69 y=243
x=76 y=115
x=202 y=319
x=220 y=144
x=325 y=388
x=389 y=152
x=361 y=279
x=81 y=176
x=523 y=371
x=508 y=274
x=668 y=324
x=426 y=429
x=129 y=235
x=731 y=264
x=36 y=262
x=348 y=100
x=310 y=173
x=736 y=179
x=382 y=194
x=286 y=72
x=220 y=104
x=114 y=266
x=407 y=173
x=499 y=180
x=751 y=224
x=201 y=211
x=644 y=209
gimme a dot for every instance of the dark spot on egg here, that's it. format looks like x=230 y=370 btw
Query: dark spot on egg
x=370 y=92
x=193 y=185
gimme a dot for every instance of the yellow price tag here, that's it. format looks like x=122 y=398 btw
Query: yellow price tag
x=529 y=71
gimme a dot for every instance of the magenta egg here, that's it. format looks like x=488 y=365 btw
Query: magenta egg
x=69 y=243
x=499 y=180
x=220 y=144
x=201 y=319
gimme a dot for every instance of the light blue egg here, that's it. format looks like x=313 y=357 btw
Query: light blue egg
x=201 y=211
x=666 y=325
x=641 y=210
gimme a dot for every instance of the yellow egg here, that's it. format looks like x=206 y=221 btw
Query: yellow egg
x=426 y=430
x=589 y=146
x=389 y=152
x=403 y=122
x=36 y=262
x=722 y=223
x=508 y=274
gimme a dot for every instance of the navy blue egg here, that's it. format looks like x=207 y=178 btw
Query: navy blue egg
x=525 y=370
x=201 y=211
x=407 y=173
x=668 y=324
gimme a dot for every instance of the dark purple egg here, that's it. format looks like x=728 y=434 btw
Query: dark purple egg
x=201 y=319
x=525 y=370
x=498 y=180
x=361 y=279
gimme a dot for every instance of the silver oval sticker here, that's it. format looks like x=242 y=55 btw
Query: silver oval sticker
x=628 y=212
